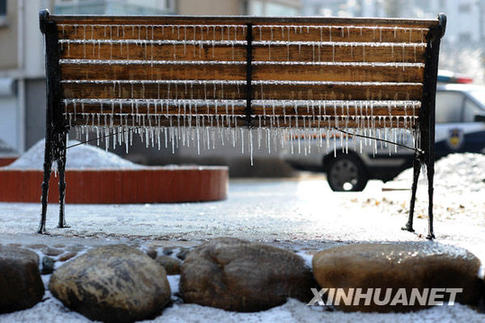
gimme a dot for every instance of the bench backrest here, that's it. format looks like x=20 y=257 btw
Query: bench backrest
x=177 y=71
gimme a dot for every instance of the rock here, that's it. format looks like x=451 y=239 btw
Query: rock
x=115 y=283
x=76 y=248
x=152 y=253
x=168 y=251
x=238 y=275
x=67 y=256
x=21 y=286
x=37 y=246
x=171 y=265
x=53 y=252
x=59 y=245
x=407 y=265
x=47 y=265
x=182 y=254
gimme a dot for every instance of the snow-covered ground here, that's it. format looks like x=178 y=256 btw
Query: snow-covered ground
x=300 y=214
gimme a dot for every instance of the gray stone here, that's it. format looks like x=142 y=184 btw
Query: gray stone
x=243 y=276
x=47 y=265
x=115 y=283
x=182 y=254
x=21 y=286
x=398 y=265
x=171 y=265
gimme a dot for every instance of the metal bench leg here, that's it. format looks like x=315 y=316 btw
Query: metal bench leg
x=45 y=184
x=61 y=166
x=430 y=171
x=416 y=170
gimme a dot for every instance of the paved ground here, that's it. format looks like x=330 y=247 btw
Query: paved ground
x=298 y=213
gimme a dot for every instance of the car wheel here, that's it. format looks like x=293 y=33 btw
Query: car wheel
x=346 y=173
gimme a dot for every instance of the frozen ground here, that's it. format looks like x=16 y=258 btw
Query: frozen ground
x=300 y=214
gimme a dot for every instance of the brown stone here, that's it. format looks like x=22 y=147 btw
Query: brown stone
x=21 y=286
x=398 y=265
x=37 y=246
x=171 y=265
x=52 y=252
x=243 y=276
x=67 y=256
x=113 y=283
x=152 y=253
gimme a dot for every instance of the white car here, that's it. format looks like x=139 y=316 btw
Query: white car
x=460 y=127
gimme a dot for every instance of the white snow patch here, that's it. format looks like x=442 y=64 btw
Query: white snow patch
x=454 y=173
x=79 y=157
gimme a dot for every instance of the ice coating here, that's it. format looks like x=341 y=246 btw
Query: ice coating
x=170 y=113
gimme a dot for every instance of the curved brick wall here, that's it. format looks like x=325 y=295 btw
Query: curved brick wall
x=147 y=185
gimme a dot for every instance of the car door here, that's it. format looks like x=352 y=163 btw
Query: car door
x=473 y=130
x=449 y=127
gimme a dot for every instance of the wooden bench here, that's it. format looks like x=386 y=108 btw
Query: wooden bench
x=237 y=77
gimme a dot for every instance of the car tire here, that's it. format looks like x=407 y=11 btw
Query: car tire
x=346 y=173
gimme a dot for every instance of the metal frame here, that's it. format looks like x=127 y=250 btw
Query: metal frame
x=426 y=125
x=57 y=128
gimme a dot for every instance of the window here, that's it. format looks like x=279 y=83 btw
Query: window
x=3 y=12
x=448 y=107
x=3 y=8
x=470 y=110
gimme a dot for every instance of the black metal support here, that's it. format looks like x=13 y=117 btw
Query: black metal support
x=56 y=128
x=61 y=167
x=427 y=122
x=249 y=74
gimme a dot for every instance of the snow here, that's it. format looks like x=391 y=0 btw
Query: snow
x=79 y=157
x=455 y=173
x=297 y=214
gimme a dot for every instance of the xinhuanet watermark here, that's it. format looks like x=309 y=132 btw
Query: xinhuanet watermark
x=384 y=296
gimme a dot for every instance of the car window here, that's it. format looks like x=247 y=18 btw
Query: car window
x=448 y=107
x=471 y=109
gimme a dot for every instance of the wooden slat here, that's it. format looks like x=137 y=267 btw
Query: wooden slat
x=238 y=32
x=138 y=90
x=95 y=30
x=293 y=72
x=274 y=52
x=146 y=90
x=348 y=73
x=155 y=72
x=338 y=92
x=257 y=110
x=154 y=121
x=125 y=51
x=343 y=33
x=203 y=20
x=339 y=53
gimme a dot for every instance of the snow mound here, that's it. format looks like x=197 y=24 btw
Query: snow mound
x=79 y=157
x=455 y=172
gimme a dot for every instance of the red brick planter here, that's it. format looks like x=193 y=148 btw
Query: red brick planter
x=146 y=185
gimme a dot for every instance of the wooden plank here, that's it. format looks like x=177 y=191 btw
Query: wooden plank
x=338 y=72
x=338 y=91
x=203 y=20
x=141 y=51
x=258 y=110
x=339 y=53
x=146 y=90
x=224 y=90
x=343 y=33
x=98 y=30
x=182 y=71
x=162 y=121
x=276 y=32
